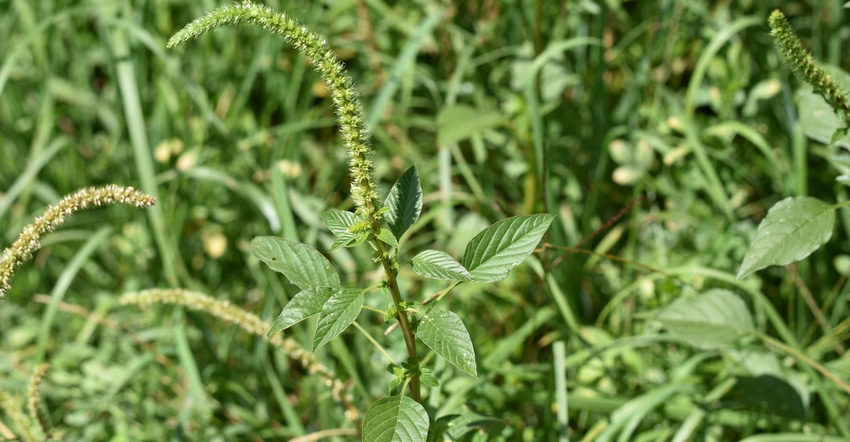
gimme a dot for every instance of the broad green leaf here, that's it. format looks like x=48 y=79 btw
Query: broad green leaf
x=306 y=303
x=404 y=202
x=714 y=319
x=339 y=311
x=459 y=122
x=302 y=265
x=793 y=229
x=492 y=253
x=386 y=236
x=439 y=265
x=395 y=419
x=338 y=221
x=444 y=332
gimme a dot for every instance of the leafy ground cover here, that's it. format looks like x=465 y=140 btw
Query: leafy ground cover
x=659 y=134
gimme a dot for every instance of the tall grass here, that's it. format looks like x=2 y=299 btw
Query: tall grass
x=680 y=111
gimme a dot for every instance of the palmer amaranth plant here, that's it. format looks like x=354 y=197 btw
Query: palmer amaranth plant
x=489 y=256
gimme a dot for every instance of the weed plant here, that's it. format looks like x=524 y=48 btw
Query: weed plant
x=691 y=287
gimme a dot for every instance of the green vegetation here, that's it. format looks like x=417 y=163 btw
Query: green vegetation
x=692 y=284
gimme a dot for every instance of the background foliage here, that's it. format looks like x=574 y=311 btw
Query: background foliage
x=576 y=108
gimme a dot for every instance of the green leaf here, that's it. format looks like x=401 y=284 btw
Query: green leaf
x=338 y=221
x=493 y=252
x=338 y=312
x=439 y=265
x=404 y=202
x=793 y=229
x=302 y=265
x=398 y=378
x=715 y=319
x=428 y=377
x=444 y=332
x=459 y=122
x=306 y=303
x=359 y=238
x=395 y=419
x=386 y=236
x=343 y=241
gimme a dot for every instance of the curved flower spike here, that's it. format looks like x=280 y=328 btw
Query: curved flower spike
x=29 y=240
x=803 y=63
x=348 y=109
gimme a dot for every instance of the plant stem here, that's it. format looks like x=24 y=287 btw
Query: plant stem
x=401 y=313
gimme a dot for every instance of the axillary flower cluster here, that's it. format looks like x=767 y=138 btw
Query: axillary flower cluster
x=29 y=240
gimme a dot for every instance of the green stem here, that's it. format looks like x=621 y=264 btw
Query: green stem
x=401 y=313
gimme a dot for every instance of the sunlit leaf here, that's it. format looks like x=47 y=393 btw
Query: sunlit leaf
x=343 y=241
x=338 y=221
x=338 y=312
x=306 y=303
x=439 y=265
x=386 y=236
x=302 y=265
x=793 y=229
x=492 y=253
x=444 y=332
x=395 y=419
